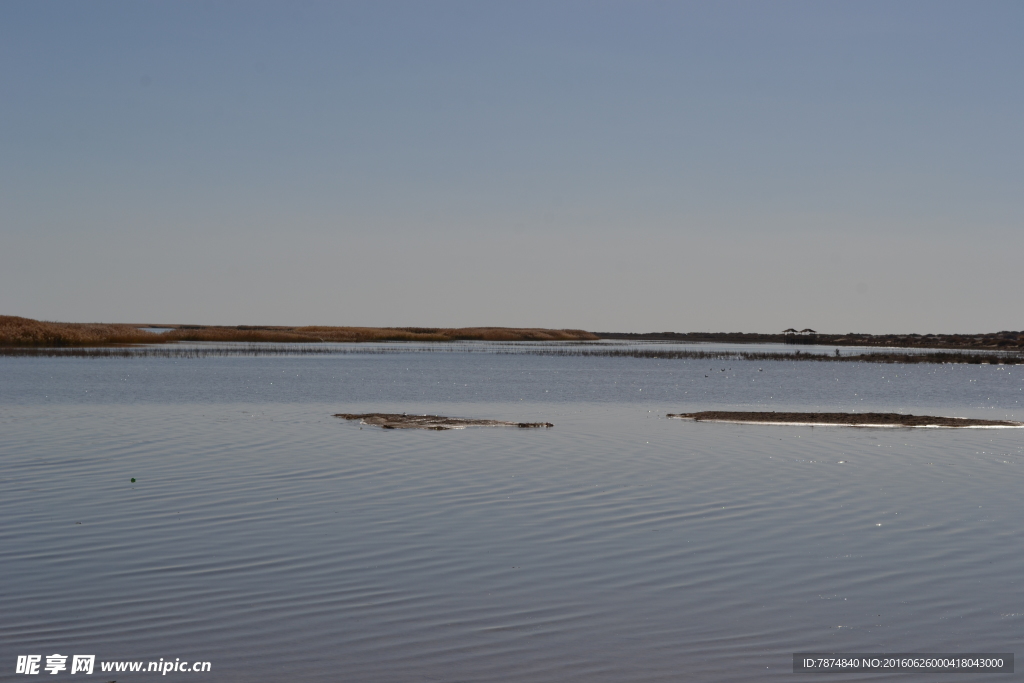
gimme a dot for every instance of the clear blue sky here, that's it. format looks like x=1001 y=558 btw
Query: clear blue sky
x=627 y=166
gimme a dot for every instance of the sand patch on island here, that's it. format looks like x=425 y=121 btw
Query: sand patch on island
x=842 y=419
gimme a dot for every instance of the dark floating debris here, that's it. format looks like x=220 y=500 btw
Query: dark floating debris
x=436 y=422
x=841 y=419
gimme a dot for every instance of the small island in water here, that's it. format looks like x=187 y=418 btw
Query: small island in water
x=435 y=422
x=840 y=419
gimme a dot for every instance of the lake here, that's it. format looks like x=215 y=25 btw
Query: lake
x=273 y=540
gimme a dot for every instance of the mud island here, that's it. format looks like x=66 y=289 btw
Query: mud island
x=435 y=422
x=840 y=419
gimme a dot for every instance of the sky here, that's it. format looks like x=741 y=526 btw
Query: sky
x=609 y=166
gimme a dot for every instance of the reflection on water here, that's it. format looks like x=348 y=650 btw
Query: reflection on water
x=271 y=539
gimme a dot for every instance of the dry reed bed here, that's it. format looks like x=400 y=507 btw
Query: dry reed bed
x=15 y=331
x=25 y=332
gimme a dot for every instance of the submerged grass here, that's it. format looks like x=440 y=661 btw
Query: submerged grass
x=977 y=358
x=190 y=351
x=560 y=349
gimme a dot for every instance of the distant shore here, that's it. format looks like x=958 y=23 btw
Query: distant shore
x=996 y=341
x=24 y=336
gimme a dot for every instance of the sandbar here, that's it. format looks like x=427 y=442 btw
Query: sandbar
x=841 y=419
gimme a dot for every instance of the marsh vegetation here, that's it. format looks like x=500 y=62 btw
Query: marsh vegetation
x=25 y=332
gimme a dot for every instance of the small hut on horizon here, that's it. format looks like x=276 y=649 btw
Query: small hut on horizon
x=804 y=336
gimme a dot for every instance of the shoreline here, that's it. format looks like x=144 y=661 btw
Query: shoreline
x=1005 y=340
x=27 y=337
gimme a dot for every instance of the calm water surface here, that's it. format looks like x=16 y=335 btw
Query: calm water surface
x=275 y=541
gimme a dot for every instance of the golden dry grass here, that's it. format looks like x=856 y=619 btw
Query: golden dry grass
x=15 y=331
